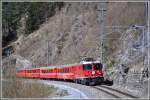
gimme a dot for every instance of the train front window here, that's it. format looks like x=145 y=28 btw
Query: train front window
x=87 y=67
x=97 y=66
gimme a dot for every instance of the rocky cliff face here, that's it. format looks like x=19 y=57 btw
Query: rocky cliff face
x=60 y=31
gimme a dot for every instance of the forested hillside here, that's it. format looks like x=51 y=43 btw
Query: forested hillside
x=34 y=13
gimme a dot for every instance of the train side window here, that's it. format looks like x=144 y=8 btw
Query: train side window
x=97 y=66
x=68 y=70
x=64 y=70
x=87 y=67
x=43 y=71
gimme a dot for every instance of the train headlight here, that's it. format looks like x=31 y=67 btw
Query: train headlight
x=93 y=72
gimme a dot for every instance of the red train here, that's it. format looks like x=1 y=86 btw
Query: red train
x=88 y=73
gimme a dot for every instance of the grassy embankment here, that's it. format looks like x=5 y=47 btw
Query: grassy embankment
x=13 y=87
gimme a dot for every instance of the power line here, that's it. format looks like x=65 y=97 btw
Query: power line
x=101 y=11
x=76 y=28
x=48 y=53
x=78 y=46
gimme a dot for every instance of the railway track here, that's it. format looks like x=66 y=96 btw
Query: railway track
x=97 y=88
x=99 y=92
x=113 y=92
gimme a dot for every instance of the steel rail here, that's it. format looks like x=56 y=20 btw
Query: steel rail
x=120 y=92
x=106 y=92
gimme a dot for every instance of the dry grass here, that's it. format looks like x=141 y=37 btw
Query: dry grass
x=13 y=87
x=17 y=88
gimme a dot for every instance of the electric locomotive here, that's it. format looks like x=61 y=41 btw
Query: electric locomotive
x=85 y=72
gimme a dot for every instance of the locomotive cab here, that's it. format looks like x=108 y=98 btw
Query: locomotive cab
x=97 y=69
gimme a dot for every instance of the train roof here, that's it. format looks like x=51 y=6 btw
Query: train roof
x=60 y=66
x=67 y=65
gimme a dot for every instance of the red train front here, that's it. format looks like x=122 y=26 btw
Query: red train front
x=90 y=73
